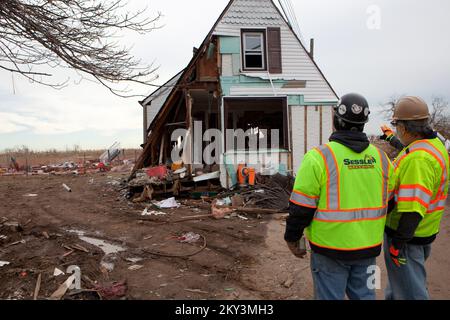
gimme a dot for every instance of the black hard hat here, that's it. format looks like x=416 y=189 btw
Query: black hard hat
x=353 y=108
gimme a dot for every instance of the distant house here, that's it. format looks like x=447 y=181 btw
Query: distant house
x=251 y=72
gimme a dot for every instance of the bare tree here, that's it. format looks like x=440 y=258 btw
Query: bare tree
x=440 y=117
x=39 y=35
x=439 y=112
x=387 y=108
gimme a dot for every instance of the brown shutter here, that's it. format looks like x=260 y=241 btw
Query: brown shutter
x=274 y=48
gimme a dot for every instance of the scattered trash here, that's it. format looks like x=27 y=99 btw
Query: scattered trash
x=158 y=172
x=80 y=248
x=108 y=266
x=58 y=272
x=189 y=237
x=112 y=291
x=167 y=204
x=114 y=183
x=61 y=291
x=46 y=235
x=30 y=195
x=237 y=200
x=68 y=253
x=148 y=237
x=13 y=226
x=152 y=213
x=242 y=217
x=146 y=194
x=91 y=181
x=23 y=274
x=3 y=237
x=196 y=291
x=288 y=283
x=15 y=243
x=219 y=213
x=4 y=263
x=107 y=248
x=207 y=176
x=134 y=260
x=223 y=202
x=66 y=187
x=135 y=267
x=181 y=172
x=229 y=289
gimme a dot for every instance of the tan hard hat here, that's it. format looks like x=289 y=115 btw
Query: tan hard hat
x=411 y=108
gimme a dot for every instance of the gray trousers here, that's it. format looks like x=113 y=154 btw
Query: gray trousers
x=409 y=281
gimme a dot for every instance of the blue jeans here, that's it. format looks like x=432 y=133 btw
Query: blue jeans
x=335 y=278
x=408 y=282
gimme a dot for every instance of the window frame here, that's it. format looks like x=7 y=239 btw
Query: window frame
x=260 y=32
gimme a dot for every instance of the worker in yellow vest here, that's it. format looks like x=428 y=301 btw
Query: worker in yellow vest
x=340 y=199
x=421 y=188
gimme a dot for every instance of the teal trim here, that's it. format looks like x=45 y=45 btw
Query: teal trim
x=320 y=103
x=248 y=82
x=230 y=45
x=295 y=100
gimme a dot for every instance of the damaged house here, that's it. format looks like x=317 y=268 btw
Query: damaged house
x=251 y=73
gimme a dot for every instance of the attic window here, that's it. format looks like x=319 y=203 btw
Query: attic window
x=253 y=47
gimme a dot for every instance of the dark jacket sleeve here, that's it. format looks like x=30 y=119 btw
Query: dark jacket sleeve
x=299 y=218
x=396 y=143
x=407 y=226
x=391 y=205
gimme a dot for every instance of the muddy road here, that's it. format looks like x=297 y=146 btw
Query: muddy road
x=97 y=229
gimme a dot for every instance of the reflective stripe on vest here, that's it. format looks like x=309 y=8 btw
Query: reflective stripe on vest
x=350 y=215
x=302 y=199
x=417 y=192
x=332 y=177
x=385 y=168
x=437 y=205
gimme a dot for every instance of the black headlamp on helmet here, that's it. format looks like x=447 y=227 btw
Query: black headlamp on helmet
x=353 y=108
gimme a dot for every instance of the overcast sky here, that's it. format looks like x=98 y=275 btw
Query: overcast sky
x=409 y=54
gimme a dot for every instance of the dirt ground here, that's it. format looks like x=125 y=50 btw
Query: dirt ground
x=243 y=259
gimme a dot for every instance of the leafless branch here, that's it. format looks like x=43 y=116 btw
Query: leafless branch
x=37 y=35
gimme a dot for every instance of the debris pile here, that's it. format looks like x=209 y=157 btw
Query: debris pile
x=171 y=180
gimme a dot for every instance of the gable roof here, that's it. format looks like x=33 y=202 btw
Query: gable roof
x=163 y=90
x=237 y=12
x=260 y=13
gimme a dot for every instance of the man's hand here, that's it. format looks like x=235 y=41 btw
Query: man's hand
x=388 y=133
x=296 y=251
x=395 y=256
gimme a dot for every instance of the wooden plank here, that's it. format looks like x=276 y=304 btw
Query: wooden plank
x=38 y=287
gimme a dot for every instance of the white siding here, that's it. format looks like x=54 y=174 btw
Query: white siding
x=227 y=65
x=327 y=123
x=313 y=130
x=313 y=127
x=157 y=99
x=296 y=62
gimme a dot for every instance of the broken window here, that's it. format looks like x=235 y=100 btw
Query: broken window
x=264 y=121
x=253 y=48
